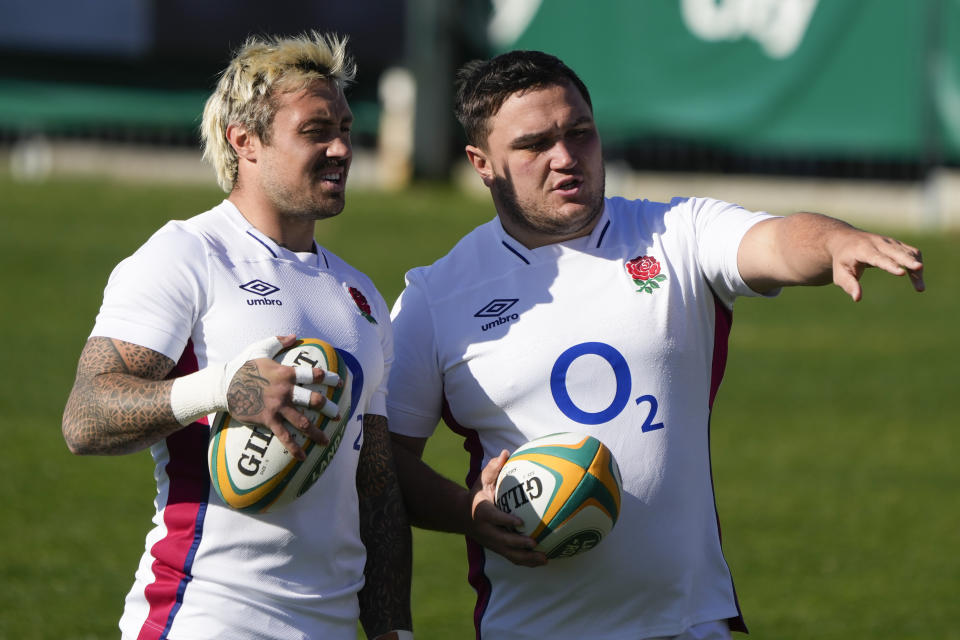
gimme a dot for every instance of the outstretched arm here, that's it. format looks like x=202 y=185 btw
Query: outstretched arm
x=812 y=249
x=437 y=503
x=385 y=597
x=121 y=403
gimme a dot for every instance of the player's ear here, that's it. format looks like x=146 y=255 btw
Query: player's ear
x=242 y=141
x=481 y=163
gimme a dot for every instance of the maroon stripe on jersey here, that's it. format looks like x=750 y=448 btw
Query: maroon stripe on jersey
x=188 y=489
x=476 y=556
x=723 y=321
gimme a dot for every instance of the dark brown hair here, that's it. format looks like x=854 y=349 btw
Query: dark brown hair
x=482 y=86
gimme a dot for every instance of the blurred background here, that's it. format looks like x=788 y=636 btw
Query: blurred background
x=846 y=106
x=834 y=438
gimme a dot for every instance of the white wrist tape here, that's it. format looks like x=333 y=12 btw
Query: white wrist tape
x=204 y=392
x=198 y=394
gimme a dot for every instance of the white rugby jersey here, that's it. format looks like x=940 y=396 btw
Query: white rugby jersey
x=199 y=291
x=508 y=344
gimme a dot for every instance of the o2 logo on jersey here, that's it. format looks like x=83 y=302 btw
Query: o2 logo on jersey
x=558 y=387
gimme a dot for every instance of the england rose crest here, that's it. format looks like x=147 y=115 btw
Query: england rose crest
x=362 y=304
x=645 y=271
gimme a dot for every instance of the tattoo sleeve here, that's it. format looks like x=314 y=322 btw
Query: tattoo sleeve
x=385 y=597
x=120 y=402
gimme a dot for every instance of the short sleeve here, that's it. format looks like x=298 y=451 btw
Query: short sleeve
x=415 y=387
x=152 y=298
x=719 y=228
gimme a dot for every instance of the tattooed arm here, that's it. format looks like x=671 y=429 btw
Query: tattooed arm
x=385 y=597
x=120 y=402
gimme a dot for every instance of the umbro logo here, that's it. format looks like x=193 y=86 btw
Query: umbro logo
x=263 y=289
x=259 y=287
x=497 y=308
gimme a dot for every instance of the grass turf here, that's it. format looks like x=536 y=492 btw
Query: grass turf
x=834 y=437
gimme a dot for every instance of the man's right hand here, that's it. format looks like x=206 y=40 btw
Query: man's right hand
x=495 y=529
x=262 y=392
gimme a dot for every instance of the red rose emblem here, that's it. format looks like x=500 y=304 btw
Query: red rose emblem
x=643 y=268
x=645 y=271
x=362 y=303
x=360 y=300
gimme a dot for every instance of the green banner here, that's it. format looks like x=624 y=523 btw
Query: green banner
x=876 y=79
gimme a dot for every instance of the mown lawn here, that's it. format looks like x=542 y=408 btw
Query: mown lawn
x=834 y=435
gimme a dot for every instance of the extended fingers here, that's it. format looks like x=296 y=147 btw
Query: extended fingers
x=912 y=257
x=881 y=252
x=895 y=257
x=281 y=384
x=285 y=437
x=303 y=397
x=916 y=279
x=315 y=375
x=847 y=277
x=914 y=267
x=301 y=423
x=327 y=407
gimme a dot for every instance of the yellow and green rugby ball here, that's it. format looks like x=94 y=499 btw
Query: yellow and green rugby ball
x=566 y=488
x=250 y=469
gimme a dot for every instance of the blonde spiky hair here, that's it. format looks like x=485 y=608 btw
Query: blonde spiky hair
x=262 y=68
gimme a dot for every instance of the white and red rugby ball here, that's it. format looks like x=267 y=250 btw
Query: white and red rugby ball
x=250 y=469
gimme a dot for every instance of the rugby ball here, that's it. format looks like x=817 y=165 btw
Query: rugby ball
x=249 y=467
x=566 y=488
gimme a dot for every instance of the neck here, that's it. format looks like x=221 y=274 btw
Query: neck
x=291 y=232
x=533 y=236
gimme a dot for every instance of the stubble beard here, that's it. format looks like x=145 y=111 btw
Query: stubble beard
x=538 y=218
x=305 y=204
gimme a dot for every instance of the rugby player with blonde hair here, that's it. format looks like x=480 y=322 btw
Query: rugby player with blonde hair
x=188 y=327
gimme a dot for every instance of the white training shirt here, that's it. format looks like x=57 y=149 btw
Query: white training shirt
x=508 y=344
x=199 y=291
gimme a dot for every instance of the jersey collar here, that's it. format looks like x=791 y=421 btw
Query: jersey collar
x=516 y=251
x=263 y=244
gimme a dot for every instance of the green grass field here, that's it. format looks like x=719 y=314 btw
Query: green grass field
x=834 y=435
